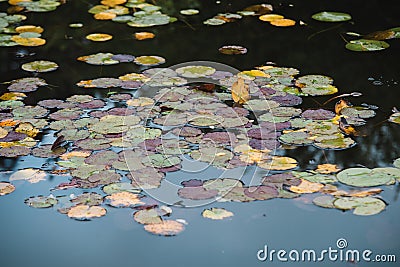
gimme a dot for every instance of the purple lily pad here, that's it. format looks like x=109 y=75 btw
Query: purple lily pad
x=286 y=178
x=221 y=137
x=123 y=58
x=288 y=100
x=186 y=131
x=262 y=133
x=13 y=136
x=97 y=103
x=131 y=84
x=174 y=168
x=15 y=151
x=192 y=183
x=318 y=114
x=261 y=192
x=270 y=144
x=279 y=126
x=197 y=193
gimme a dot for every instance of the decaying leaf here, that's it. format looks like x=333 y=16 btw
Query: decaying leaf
x=240 y=91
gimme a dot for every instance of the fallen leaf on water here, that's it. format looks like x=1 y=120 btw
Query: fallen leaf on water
x=144 y=35
x=283 y=22
x=306 y=187
x=99 y=37
x=240 y=91
x=327 y=168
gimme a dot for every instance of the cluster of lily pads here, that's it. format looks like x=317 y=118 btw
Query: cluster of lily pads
x=129 y=144
x=12 y=33
x=135 y=13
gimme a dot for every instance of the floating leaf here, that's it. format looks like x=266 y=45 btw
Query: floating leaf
x=327 y=168
x=240 y=91
x=144 y=35
x=123 y=199
x=306 y=187
x=324 y=201
x=283 y=22
x=33 y=41
x=363 y=45
x=363 y=177
x=120 y=187
x=196 y=71
x=270 y=17
x=99 y=59
x=99 y=37
x=328 y=16
x=14 y=151
x=147 y=216
x=6 y=188
x=40 y=66
x=233 y=50
x=362 y=206
x=261 y=192
x=189 y=12
x=196 y=193
x=149 y=60
x=278 y=163
x=90 y=199
x=85 y=212
x=30 y=175
x=166 y=228
x=216 y=213
x=41 y=202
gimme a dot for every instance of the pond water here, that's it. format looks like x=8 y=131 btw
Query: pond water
x=44 y=237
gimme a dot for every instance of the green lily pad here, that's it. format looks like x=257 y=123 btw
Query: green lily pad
x=149 y=60
x=40 y=66
x=189 y=12
x=362 y=205
x=216 y=214
x=160 y=161
x=148 y=20
x=315 y=177
x=99 y=59
x=90 y=199
x=364 y=177
x=328 y=16
x=214 y=22
x=325 y=201
x=196 y=71
x=120 y=187
x=41 y=202
x=147 y=216
x=363 y=45
x=358 y=112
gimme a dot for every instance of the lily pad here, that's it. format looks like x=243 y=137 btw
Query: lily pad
x=30 y=175
x=147 y=216
x=85 y=212
x=40 y=66
x=195 y=71
x=364 y=177
x=149 y=60
x=90 y=199
x=233 y=50
x=329 y=16
x=197 y=193
x=363 y=45
x=325 y=201
x=362 y=205
x=123 y=199
x=41 y=202
x=216 y=214
x=120 y=187
x=6 y=188
x=165 y=228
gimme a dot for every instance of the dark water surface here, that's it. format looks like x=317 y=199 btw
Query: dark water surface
x=32 y=237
